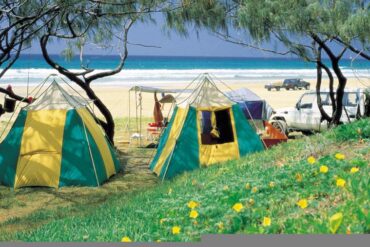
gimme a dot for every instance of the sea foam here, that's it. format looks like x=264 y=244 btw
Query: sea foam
x=129 y=77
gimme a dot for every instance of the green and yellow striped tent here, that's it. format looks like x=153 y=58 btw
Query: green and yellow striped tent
x=56 y=142
x=206 y=128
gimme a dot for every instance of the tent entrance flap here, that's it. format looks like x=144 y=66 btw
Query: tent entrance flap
x=226 y=147
x=219 y=121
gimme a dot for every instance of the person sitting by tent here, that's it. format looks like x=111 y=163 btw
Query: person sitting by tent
x=158 y=116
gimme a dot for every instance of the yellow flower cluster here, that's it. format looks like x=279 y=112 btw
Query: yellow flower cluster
x=126 y=240
x=340 y=182
x=354 y=169
x=303 y=203
x=193 y=204
x=324 y=169
x=176 y=230
x=311 y=160
x=193 y=214
x=238 y=207
x=340 y=156
x=266 y=221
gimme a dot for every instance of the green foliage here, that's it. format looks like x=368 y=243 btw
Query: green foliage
x=348 y=132
x=285 y=21
x=200 y=13
x=150 y=215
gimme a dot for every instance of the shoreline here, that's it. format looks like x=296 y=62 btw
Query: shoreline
x=170 y=77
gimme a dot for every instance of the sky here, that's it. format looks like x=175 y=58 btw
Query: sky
x=202 y=43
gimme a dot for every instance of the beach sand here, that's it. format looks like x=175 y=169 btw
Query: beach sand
x=116 y=97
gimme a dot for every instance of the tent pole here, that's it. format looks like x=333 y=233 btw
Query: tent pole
x=169 y=161
x=137 y=127
x=129 y=115
x=91 y=155
x=141 y=115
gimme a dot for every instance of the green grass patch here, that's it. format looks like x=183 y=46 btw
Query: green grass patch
x=268 y=185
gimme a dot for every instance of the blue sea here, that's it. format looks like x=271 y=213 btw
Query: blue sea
x=163 y=69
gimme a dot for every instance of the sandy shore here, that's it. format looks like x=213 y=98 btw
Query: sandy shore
x=116 y=97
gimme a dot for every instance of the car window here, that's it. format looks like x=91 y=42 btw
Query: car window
x=325 y=99
x=307 y=101
x=350 y=99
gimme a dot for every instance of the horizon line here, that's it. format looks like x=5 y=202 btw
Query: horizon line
x=180 y=56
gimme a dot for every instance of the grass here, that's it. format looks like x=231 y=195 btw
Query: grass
x=268 y=185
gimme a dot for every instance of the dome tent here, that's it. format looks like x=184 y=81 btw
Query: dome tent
x=205 y=128
x=252 y=105
x=56 y=142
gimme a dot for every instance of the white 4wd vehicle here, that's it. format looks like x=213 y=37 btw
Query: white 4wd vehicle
x=306 y=117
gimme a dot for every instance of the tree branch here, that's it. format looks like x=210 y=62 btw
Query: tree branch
x=353 y=49
x=232 y=40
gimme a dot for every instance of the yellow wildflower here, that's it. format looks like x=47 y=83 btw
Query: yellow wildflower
x=170 y=191
x=251 y=201
x=335 y=221
x=311 y=160
x=247 y=186
x=195 y=222
x=302 y=203
x=341 y=182
x=238 y=207
x=126 y=240
x=340 y=156
x=226 y=187
x=324 y=169
x=354 y=169
x=272 y=184
x=158 y=241
x=266 y=221
x=348 y=230
x=192 y=204
x=298 y=177
x=193 y=214
x=254 y=189
x=176 y=230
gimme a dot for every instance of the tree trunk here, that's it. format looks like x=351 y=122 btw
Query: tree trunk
x=342 y=81
x=319 y=66
x=107 y=125
x=324 y=115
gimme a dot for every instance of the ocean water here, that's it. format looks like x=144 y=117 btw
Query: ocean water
x=146 y=70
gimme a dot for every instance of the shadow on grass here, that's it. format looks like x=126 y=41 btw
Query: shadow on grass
x=32 y=207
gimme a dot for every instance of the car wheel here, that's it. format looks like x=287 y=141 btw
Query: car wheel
x=281 y=126
x=307 y=87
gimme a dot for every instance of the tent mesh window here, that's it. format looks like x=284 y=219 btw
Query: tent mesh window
x=223 y=126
